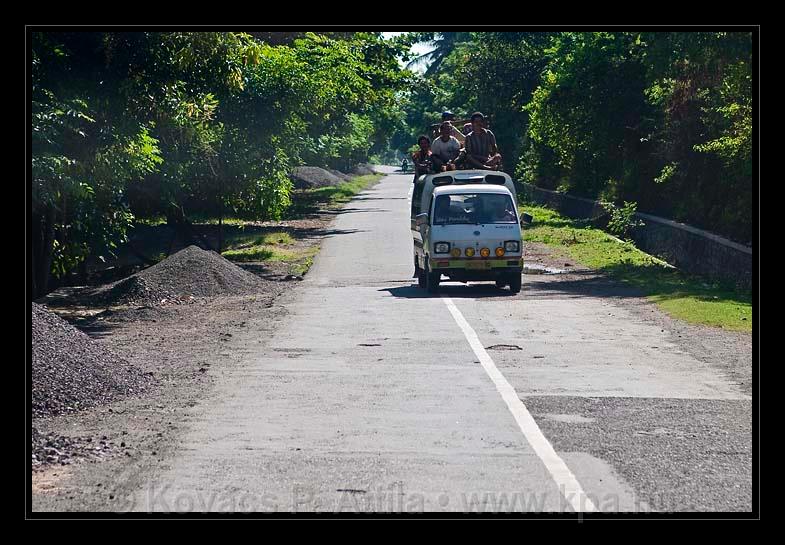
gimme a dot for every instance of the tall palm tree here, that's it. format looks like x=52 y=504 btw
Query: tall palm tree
x=443 y=44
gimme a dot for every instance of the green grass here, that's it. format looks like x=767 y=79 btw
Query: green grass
x=241 y=240
x=151 y=222
x=212 y=220
x=258 y=253
x=250 y=248
x=254 y=247
x=309 y=201
x=343 y=192
x=304 y=261
x=272 y=246
x=683 y=296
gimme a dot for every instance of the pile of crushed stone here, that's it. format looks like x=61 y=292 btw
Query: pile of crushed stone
x=362 y=169
x=339 y=174
x=52 y=448
x=71 y=371
x=189 y=273
x=310 y=177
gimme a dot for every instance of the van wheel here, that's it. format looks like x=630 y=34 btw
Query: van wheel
x=515 y=283
x=431 y=279
x=419 y=273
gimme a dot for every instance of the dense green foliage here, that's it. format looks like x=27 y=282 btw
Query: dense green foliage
x=657 y=118
x=135 y=125
x=146 y=124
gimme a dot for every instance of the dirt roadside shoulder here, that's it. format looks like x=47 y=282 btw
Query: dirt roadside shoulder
x=730 y=352
x=186 y=347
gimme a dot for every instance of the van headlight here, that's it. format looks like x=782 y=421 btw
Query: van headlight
x=512 y=246
x=441 y=248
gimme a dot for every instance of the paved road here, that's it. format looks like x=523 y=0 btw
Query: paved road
x=373 y=396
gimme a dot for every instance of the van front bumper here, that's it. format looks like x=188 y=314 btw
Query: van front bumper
x=477 y=269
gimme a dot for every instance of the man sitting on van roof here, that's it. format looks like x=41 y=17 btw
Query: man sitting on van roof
x=446 y=149
x=481 y=149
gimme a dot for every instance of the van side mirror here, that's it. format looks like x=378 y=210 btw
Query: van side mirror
x=526 y=219
x=421 y=219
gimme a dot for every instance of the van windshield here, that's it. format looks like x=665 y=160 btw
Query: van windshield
x=474 y=208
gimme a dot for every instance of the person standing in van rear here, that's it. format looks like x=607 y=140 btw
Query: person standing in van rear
x=481 y=150
x=450 y=117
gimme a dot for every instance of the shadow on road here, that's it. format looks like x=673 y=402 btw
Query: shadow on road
x=578 y=284
x=364 y=198
x=353 y=211
x=450 y=289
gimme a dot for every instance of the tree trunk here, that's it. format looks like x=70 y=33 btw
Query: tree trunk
x=176 y=219
x=42 y=252
x=220 y=231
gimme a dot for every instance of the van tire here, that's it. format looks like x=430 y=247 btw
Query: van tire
x=515 y=283
x=431 y=279
x=419 y=273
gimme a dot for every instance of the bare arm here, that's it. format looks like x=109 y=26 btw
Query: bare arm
x=473 y=161
x=494 y=147
x=458 y=134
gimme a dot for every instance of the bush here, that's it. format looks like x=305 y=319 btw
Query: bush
x=621 y=220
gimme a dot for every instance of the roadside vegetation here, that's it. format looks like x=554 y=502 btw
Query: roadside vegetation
x=683 y=296
x=662 y=119
x=312 y=201
x=134 y=128
x=245 y=246
x=341 y=193
x=128 y=126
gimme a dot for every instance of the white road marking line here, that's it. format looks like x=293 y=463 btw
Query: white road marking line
x=567 y=483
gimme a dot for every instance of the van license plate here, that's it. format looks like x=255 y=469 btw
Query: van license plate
x=478 y=265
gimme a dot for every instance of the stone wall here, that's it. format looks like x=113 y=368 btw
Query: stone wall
x=690 y=249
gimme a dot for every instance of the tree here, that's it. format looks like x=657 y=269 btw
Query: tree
x=443 y=43
x=180 y=122
x=82 y=159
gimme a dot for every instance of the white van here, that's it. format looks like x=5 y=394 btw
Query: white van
x=465 y=226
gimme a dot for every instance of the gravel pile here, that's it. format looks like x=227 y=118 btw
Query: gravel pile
x=70 y=371
x=309 y=177
x=51 y=448
x=363 y=169
x=339 y=174
x=191 y=272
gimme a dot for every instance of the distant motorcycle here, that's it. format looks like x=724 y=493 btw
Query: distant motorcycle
x=404 y=166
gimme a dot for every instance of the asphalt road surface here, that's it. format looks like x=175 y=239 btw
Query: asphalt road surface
x=374 y=397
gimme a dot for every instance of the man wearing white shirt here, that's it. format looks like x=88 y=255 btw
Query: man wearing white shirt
x=445 y=149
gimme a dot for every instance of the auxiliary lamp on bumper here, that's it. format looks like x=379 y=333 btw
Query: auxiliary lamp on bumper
x=442 y=247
